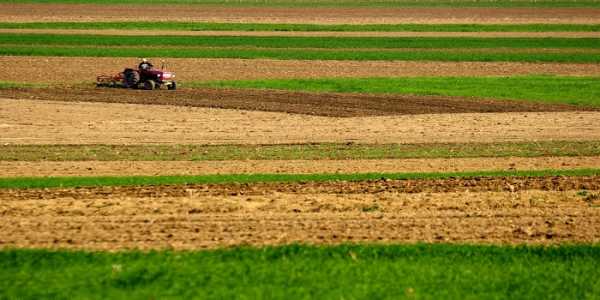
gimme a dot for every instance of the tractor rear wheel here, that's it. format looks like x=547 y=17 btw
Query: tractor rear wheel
x=130 y=78
x=149 y=85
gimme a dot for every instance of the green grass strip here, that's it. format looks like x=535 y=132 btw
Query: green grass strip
x=299 y=42
x=68 y=182
x=551 y=89
x=293 y=151
x=200 y=26
x=301 y=54
x=422 y=271
x=12 y=85
x=335 y=3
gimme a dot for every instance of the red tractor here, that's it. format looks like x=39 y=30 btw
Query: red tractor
x=147 y=78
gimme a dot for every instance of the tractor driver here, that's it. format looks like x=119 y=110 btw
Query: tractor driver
x=145 y=65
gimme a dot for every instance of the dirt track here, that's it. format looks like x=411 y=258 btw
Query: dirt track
x=77 y=70
x=125 y=168
x=320 y=104
x=304 y=33
x=47 y=122
x=85 y=12
x=191 y=219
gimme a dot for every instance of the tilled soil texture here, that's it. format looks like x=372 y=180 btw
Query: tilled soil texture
x=197 y=217
x=305 y=33
x=13 y=12
x=474 y=184
x=51 y=122
x=318 y=104
x=127 y=168
x=69 y=70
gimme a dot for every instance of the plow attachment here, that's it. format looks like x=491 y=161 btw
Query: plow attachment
x=109 y=81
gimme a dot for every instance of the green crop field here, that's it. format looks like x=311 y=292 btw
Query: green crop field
x=307 y=272
x=11 y=85
x=298 y=54
x=301 y=42
x=551 y=89
x=574 y=50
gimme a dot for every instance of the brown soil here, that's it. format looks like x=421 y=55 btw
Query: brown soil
x=192 y=218
x=78 y=70
x=86 y=12
x=320 y=104
x=476 y=184
x=49 y=122
x=305 y=33
x=126 y=168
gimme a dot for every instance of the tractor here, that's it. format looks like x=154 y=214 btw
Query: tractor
x=140 y=78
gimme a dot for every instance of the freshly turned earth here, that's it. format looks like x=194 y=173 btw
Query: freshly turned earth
x=62 y=122
x=78 y=70
x=482 y=210
x=13 y=12
x=321 y=104
x=413 y=165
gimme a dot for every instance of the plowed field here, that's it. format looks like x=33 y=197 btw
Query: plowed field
x=321 y=104
x=128 y=168
x=71 y=70
x=49 y=122
x=492 y=210
x=82 y=12
x=475 y=184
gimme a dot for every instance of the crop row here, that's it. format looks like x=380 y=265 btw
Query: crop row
x=301 y=42
x=66 y=182
x=294 y=151
x=298 y=54
x=200 y=26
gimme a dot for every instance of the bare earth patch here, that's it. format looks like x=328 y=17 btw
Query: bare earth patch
x=69 y=70
x=47 y=122
x=14 y=12
x=152 y=168
x=135 y=32
x=197 y=220
x=307 y=103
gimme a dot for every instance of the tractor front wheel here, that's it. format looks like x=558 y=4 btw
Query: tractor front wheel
x=149 y=85
x=172 y=86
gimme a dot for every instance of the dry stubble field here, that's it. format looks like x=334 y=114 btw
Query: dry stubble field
x=504 y=210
